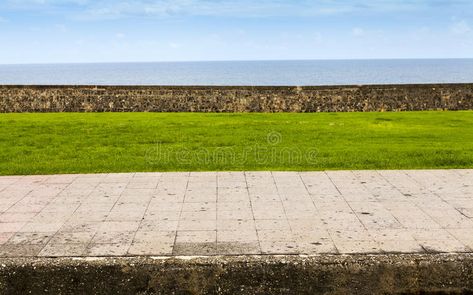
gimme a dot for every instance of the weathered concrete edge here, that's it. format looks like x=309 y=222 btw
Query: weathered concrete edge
x=322 y=274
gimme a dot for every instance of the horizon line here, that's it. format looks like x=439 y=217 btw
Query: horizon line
x=237 y=60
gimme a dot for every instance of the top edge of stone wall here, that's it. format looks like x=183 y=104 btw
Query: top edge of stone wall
x=93 y=86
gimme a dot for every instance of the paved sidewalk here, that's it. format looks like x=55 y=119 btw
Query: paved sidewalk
x=231 y=213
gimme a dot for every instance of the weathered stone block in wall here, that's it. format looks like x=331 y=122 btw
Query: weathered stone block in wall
x=236 y=98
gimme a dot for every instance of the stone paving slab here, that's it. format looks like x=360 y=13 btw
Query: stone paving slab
x=237 y=213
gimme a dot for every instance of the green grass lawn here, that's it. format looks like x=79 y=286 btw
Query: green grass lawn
x=120 y=142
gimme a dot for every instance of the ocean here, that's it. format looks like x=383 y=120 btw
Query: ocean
x=290 y=73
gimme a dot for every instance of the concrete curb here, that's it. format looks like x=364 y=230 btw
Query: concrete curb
x=322 y=274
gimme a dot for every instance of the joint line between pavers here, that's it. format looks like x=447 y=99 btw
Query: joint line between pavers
x=19 y=199
x=348 y=204
x=420 y=208
x=216 y=212
x=397 y=189
x=440 y=197
x=56 y=197
x=180 y=213
x=114 y=204
x=404 y=172
x=11 y=184
x=317 y=210
x=141 y=221
x=252 y=211
x=280 y=200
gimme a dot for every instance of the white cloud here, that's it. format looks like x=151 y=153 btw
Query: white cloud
x=62 y=28
x=3 y=20
x=318 y=37
x=25 y=3
x=120 y=35
x=239 y=8
x=358 y=32
x=460 y=28
x=174 y=45
x=113 y=9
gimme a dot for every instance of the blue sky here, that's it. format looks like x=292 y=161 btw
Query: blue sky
x=57 y=31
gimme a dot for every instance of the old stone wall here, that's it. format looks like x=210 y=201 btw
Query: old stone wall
x=235 y=98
